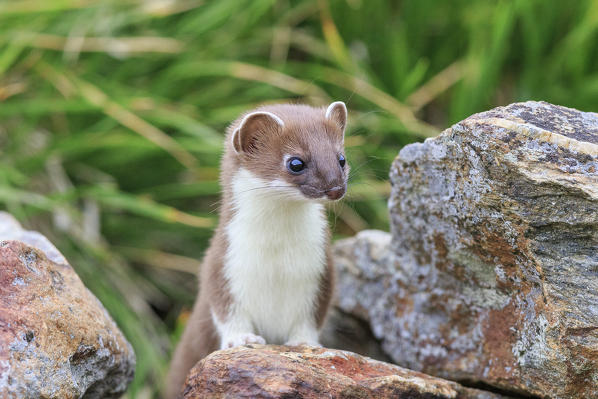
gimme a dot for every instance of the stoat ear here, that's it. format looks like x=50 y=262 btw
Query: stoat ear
x=337 y=112
x=251 y=126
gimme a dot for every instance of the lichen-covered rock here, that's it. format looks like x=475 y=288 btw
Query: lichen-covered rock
x=263 y=371
x=56 y=338
x=491 y=274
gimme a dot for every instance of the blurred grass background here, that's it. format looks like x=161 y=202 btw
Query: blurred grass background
x=112 y=115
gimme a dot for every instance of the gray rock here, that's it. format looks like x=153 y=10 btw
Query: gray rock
x=491 y=275
x=56 y=338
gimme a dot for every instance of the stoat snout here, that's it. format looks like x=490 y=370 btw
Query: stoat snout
x=333 y=193
x=336 y=193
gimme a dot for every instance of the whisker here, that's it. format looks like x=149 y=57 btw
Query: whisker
x=335 y=210
x=216 y=206
x=361 y=165
x=263 y=188
x=364 y=114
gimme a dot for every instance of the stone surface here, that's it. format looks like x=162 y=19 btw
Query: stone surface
x=491 y=273
x=261 y=371
x=56 y=338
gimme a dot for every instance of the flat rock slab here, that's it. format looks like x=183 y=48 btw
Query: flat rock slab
x=490 y=274
x=56 y=338
x=266 y=371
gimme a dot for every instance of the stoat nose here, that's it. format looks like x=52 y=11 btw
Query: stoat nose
x=335 y=193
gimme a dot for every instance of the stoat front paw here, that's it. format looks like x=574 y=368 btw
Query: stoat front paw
x=242 y=339
x=303 y=342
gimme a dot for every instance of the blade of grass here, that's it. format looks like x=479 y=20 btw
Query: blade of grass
x=39 y=6
x=95 y=96
x=111 y=45
x=12 y=89
x=380 y=98
x=13 y=195
x=277 y=79
x=250 y=72
x=333 y=38
x=8 y=56
x=438 y=84
x=146 y=207
x=160 y=259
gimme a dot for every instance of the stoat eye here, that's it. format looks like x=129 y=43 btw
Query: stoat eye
x=341 y=160
x=295 y=165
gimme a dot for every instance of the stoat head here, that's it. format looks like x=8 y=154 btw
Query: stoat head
x=297 y=150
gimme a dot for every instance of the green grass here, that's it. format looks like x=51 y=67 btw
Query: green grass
x=112 y=115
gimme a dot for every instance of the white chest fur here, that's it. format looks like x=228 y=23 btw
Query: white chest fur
x=275 y=256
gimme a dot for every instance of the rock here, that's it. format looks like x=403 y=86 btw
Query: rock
x=10 y=229
x=56 y=338
x=266 y=371
x=491 y=274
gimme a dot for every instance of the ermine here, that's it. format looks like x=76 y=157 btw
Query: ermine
x=267 y=276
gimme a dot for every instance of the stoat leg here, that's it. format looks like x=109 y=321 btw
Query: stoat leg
x=304 y=333
x=236 y=331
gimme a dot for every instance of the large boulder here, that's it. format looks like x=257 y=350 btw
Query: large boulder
x=490 y=274
x=259 y=371
x=56 y=338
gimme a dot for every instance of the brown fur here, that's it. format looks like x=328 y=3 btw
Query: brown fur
x=262 y=144
x=326 y=290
